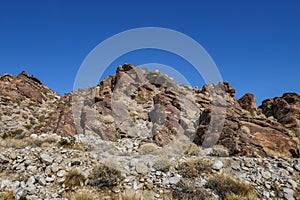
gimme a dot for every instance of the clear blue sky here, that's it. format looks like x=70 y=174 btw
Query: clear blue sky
x=255 y=44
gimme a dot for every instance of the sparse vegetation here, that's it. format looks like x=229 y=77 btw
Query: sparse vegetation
x=192 y=150
x=81 y=195
x=193 y=167
x=162 y=164
x=13 y=134
x=70 y=142
x=74 y=178
x=130 y=196
x=147 y=148
x=7 y=195
x=188 y=190
x=229 y=188
x=104 y=176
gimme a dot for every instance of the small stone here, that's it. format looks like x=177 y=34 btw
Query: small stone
x=293 y=183
x=266 y=174
x=297 y=167
x=266 y=194
x=5 y=184
x=141 y=168
x=235 y=166
x=42 y=181
x=46 y=159
x=3 y=159
x=30 y=181
x=54 y=167
x=21 y=192
x=61 y=173
x=288 y=193
x=217 y=165
x=174 y=180
x=50 y=179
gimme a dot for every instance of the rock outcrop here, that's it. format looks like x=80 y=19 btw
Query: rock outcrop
x=137 y=103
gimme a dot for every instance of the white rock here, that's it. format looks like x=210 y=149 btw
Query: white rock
x=46 y=159
x=218 y=165
x=174 y=180
x=61 y=173
x=21 y=192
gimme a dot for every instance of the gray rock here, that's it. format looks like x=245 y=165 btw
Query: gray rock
x=48 y=160
x=50 y=179
x=21 y=192
x=293 y=183
x=288 y=194
x=61 y=173
x=141 y=168
x=266 y=174
x=3 y=159
x=5 y=184
x=297 y=167
x=174 y=180
x=30 y=181
x=42 y=180
x=218 y=165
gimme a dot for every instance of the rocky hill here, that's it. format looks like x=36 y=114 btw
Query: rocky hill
x=139 y=133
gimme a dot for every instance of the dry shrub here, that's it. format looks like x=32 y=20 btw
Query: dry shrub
x=7 y=195
x=27 y=141
x=130 y=196
x=79 y=196
x=219 y=151
x=185 y=190
x=74 y=178
x=229 y=188
x=192 y=150
x=104 y=176
x=70 y=142
x=194 y=167
x=162 y=164
x=147 y=148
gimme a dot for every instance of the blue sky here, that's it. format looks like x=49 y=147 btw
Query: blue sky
x=255 y=44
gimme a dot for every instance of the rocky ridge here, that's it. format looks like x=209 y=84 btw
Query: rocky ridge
x=133 y=118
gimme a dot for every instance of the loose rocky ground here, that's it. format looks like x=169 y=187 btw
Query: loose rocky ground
x=39 y=167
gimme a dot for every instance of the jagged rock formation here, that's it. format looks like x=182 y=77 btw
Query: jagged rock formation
x=136 y=103
x=26 y=106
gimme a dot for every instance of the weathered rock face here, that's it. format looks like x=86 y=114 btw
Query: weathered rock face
x=26 y=106
x=246 y=132
x=136 y=103
x=285 y=109
x=247 y=102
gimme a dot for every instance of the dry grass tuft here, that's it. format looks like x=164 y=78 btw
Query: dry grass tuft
x=7 y=195
x=147 y=148
x=162 y=164
x=79 y=196
x=193 y=167
x=104 y=176
x=192 y=150
x=74 y=178
x=229 y=188
x=187 y=190
x=130 y=196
